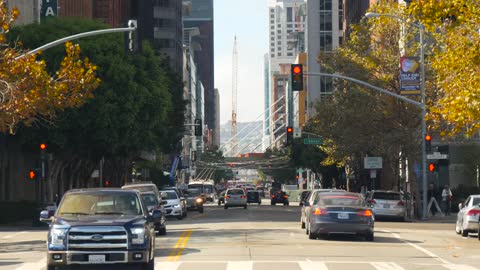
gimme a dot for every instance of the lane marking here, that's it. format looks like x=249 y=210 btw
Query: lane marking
x=185 y=241
x=459 y=267
x=167 y=265
x=243 y=265
x=35 y=265
x=13 y=235
x=386 y=266
x=309 y=265
x=174 y=251
x=427 y=252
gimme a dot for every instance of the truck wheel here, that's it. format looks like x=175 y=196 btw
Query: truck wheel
x=150 y=265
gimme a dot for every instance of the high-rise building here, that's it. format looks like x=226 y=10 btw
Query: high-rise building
x=201 y=17
x=216 y=102
x=284 y=19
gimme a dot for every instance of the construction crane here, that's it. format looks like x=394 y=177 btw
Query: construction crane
x=234 y=97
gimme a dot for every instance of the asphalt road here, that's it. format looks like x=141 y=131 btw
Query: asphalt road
x=269 y=237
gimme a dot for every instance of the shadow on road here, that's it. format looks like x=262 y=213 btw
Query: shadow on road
x=8 y=262
x=24 y=246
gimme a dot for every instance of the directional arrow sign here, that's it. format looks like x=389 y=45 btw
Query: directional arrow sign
x=316 y=141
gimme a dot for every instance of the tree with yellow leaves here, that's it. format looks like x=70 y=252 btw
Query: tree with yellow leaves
x=455 y=26
x=27 y=91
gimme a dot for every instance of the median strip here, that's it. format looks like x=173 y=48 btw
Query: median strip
x=179 y=246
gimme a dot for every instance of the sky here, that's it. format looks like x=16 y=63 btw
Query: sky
x=248 y=20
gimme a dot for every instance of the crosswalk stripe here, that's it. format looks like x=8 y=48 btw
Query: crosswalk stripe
x=167 y=265
x=35 y=265
x=245 y=265
x=312 y=265
x=386 y=266
x=459 y=267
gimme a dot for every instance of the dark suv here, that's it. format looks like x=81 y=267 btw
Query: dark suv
x=279 y=197
x=100 y=226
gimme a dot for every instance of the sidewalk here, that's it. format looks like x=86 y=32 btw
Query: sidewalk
x=21 y=226
x=452 y=218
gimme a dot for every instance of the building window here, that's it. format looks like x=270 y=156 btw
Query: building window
x=279 y=54
x=340 y=4
x=289 y=54
x=272 y=22
x=279 y=48
x=272 y=33
x=161 y=3
x=272 y=27
x=326 y=41
x=272 y=16
x=272 y=39
x=340 y=20
x=279 y=43
x=326 y=85
x=326 y=5
x=164 y=23
x=279 y=31
x=326 y=21
x=279 y=25
x=272 y=44
x=289 y=31
x=272 y=10
x=289 y=14
x=272 y=50
x=340 y=40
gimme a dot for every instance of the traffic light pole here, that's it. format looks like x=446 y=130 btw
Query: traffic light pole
x=420 y=105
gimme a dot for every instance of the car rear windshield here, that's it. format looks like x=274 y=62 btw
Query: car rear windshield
x=235 y=192
x=343 y=200
x=150 y=199
x=100 y=204
x=386 y=196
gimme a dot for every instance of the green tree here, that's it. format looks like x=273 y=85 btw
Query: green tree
x=133 y=110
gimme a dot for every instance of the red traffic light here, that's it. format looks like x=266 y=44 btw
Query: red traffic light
x=32 y=175
x=297 y=70
x=428 y=138
x=431 y=167
x=107 y=183
x=289 y=129
x=43 y=146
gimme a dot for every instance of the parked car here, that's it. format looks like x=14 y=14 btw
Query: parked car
x=254 y=197
x=467 y=217
x=304 y=196
x=221 y=197
x=340 y=213
x=235 y=197
x=100 y=226
x=183 y=200
x=173 y=207
x=279 y=197
x=160 y=221
x=387 y=204
x=195 y=199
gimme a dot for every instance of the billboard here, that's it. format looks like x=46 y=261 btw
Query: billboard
x=410 y=76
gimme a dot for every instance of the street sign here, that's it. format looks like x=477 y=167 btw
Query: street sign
x=49 y=9
x=373 y=173
x=437 y=155
x=316 y=141
x=373 y=163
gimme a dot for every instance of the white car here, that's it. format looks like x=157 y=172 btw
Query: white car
x=467 y=217
x=173 y=208
x=235 y=197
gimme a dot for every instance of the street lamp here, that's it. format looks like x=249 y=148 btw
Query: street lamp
x=424 y=110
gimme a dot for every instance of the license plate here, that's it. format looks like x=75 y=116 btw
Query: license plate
x=386 y=206
x=342 y=216
x=96 y=258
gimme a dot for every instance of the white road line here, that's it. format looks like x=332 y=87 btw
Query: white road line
x=245 y=265
x=36 y=265
x=167 y=265
x=386 y=266
x=429 y=253
x=13 y=235
x=309 y=265
x=459 y=267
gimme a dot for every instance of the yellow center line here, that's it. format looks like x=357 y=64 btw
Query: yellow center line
x=185 y=241
x=174 y=251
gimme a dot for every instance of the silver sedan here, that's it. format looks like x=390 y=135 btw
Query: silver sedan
x=467 y=217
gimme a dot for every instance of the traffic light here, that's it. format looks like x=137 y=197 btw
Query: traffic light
x=198 y=127
x=289 y=135
x=432 y=167
x=428 y=143
x=297 y=77
x=43 y=147
x=106 y=183
x=33 y=174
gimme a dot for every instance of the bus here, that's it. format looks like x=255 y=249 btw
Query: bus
x=206 y=187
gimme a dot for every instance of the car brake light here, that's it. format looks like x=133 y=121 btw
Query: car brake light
x=372 y=201
x=227 y=197
x=273 y=196
x=473 y=212
x=401 y=203
x=365 y=213
x=243 y=197
x=285 y=196
x=320 y=212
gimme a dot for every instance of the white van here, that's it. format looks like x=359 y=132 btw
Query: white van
x=206 y=187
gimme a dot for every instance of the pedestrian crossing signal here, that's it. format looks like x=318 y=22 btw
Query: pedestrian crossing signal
x=432 y=167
